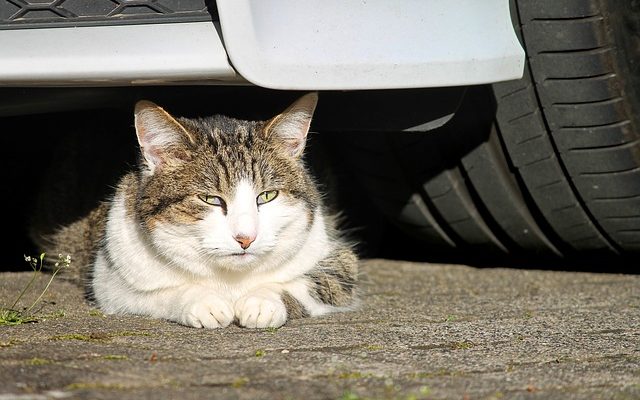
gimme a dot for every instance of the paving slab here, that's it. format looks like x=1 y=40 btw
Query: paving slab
x=423 y=331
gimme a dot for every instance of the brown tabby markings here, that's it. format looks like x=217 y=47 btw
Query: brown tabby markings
x=334 y=281
x=75 y=239
x=223 y=152
x=214 y=155
x=293 y=306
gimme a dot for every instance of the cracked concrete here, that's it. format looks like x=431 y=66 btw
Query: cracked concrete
x=423 y=331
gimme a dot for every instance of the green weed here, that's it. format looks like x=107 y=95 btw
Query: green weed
x=12 y=316
x=349 y=395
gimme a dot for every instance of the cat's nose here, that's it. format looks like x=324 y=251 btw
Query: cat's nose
x=245 y=241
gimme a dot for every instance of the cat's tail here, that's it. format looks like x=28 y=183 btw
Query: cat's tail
x=80 y=240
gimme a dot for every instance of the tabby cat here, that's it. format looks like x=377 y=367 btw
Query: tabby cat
x=221 y=222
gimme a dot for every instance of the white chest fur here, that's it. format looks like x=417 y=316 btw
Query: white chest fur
x=132 y=275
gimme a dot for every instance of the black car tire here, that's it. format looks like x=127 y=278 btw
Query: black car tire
x=553 y=170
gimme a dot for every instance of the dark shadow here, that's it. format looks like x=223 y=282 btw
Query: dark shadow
x=382 y=171
x=97 y=140
x=57 y=168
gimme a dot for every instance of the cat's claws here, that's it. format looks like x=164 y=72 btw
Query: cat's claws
x=261 y=310
x=208 y=312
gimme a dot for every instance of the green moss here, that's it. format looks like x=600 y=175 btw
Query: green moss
x=350 y=375
x=348 y=395
x=355 y=375
x=96 y=313
x=11 y=342
x=114 y=357
x=39 y=361
x=94 y=385
x=421 y=375
x=240 y=382
x=464 y=345
x=260 y=353
x=425 y=390
x=374 y=347
x=98 y=336
x=392 y=392
x=435 y=374
x=129 y=333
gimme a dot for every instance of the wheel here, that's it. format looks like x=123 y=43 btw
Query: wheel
x=548 y=164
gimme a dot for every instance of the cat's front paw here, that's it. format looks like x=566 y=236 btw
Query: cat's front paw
x=261 y=309
x=208 y=311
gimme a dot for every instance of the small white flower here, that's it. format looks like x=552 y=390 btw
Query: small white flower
x=27 y=258
x=57 y=264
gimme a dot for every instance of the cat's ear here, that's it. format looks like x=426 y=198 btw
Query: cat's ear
x=163 y=140
x=291 y=126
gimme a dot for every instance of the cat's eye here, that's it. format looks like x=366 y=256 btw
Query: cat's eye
x=212 y=200
x=266 y=196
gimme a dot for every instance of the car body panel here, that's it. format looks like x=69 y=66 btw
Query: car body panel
x=280 y=44
x=114 y=55
x=372 y=44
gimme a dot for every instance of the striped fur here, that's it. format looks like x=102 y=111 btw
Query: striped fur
x=187 y=238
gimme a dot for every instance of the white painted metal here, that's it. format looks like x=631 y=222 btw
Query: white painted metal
x=114 y=55
x=283 y=44
x=370 y=44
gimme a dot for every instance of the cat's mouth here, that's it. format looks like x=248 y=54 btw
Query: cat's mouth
x=241 y=258
x=241 y=254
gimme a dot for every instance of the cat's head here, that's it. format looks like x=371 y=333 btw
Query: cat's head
x=219 y=192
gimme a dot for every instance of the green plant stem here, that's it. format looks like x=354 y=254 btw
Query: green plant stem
x=33 y=278
x=44 y=291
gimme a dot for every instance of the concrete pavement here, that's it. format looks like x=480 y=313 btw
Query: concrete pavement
x=422 y=331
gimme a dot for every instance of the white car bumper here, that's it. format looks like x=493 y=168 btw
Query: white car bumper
x=374 y=44
x=281 y=44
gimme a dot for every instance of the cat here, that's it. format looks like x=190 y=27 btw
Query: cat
x=221 y=222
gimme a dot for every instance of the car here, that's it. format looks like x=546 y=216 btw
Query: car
x=494 y=127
